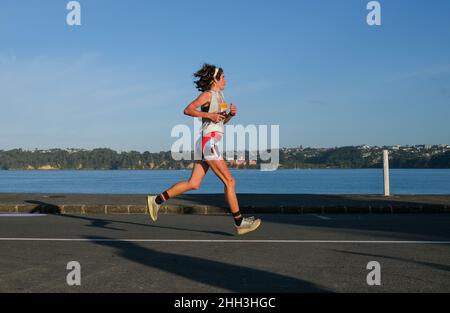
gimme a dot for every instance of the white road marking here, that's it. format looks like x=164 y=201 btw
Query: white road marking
x=22 y=215
x=322 y=217
x=229 y=241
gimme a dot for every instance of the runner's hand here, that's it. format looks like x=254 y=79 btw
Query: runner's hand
x=233 y=109
x=216 y=117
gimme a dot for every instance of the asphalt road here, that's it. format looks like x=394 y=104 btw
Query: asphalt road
x=191 y=253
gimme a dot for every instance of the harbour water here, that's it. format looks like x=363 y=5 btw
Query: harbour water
x=316 y=181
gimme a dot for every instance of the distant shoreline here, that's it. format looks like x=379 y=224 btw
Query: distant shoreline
x=359 y=157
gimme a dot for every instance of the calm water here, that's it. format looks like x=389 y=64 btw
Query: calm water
x=330 y=181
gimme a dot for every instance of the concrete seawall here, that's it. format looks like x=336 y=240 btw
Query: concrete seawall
x=215 y=204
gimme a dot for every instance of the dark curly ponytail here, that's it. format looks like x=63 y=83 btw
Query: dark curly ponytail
x=205 y=76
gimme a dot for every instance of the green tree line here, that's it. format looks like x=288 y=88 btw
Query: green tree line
x=107 y=159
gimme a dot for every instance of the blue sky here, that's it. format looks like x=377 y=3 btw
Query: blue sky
x=122 y=78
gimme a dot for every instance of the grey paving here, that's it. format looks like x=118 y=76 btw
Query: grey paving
x=215 y=203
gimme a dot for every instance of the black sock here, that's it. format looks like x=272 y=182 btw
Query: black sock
x=237 y=220
x=162 y=198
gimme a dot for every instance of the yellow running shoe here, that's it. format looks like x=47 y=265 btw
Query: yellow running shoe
x=152 y=208
x=248 y=224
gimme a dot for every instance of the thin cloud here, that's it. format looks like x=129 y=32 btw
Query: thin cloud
x=68 y=101
x=431 y=72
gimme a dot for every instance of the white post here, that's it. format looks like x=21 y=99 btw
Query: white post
x=386 y=172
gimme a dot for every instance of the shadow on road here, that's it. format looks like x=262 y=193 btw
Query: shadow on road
x=393 y=226
x=266 y=203
x=441 y=267
x=234 y=278
x=49 y=208
x=44 y=208
x=404 y=228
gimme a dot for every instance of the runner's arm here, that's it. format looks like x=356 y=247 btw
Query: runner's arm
x=227 y=119
x=204 y=98
x=231 y=114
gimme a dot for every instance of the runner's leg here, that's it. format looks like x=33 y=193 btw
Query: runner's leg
x=154 y=202
x=220 y=168
x=198 y=173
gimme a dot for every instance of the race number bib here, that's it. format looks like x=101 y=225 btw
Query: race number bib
x=223 y=106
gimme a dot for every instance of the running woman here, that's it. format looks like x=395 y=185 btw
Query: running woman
x=213 y=111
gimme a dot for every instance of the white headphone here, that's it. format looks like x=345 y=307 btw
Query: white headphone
x=216 y=71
